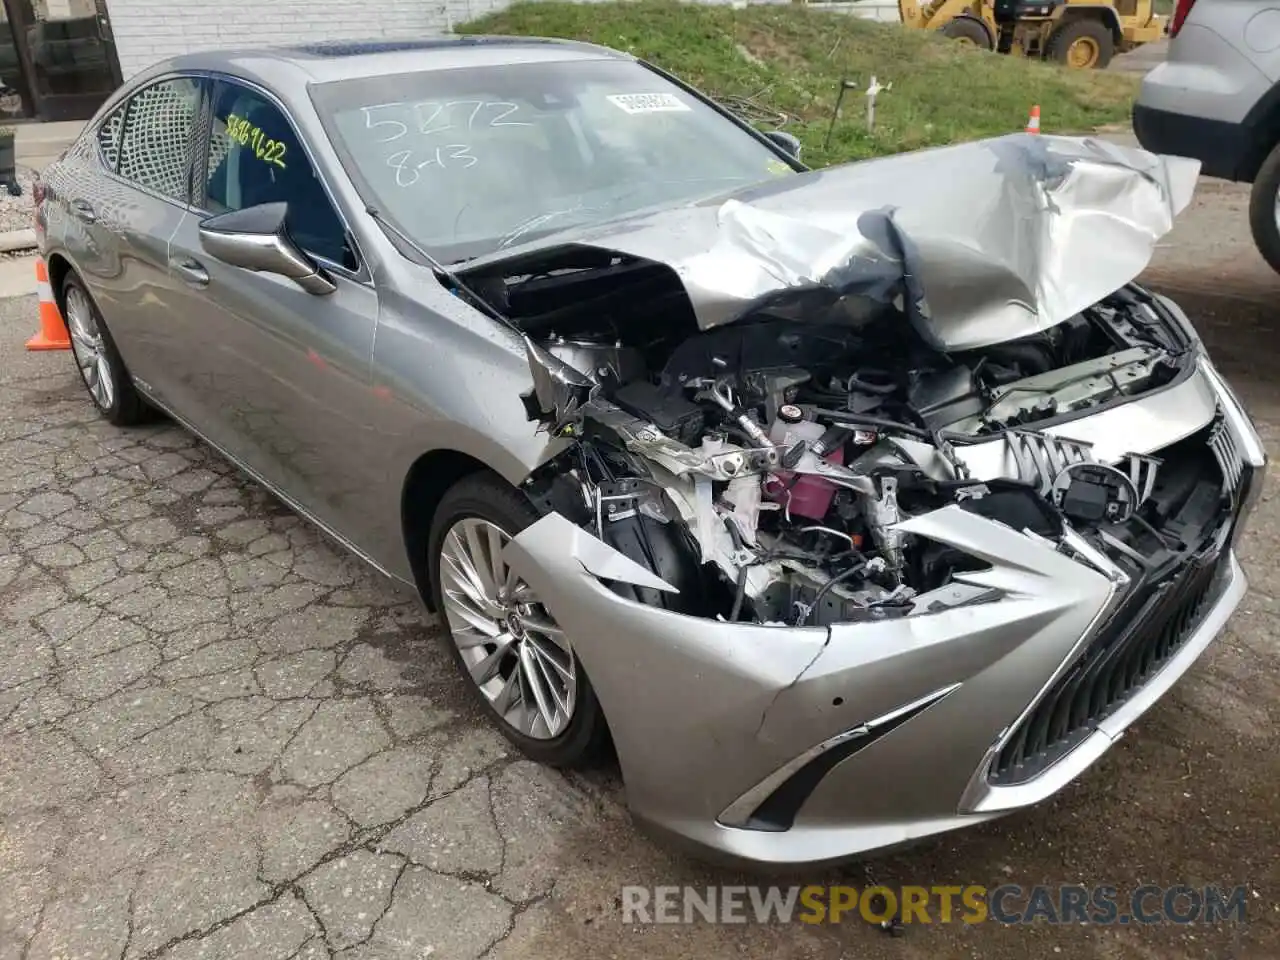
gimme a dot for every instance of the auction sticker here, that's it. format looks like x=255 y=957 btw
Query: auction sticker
x=647 y=102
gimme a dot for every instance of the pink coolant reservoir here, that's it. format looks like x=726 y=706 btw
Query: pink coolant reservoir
x=810 y=496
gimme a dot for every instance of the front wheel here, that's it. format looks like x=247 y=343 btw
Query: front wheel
x=1082 y=44
x=508 y=647
x=1264 y=209
x=968 y=30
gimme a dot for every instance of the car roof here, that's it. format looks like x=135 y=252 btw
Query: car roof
x=324 y=62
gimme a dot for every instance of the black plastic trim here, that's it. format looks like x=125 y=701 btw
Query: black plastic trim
x=1148 y=630
x=777 y=812
x=1222 y=148
x=1263 y=125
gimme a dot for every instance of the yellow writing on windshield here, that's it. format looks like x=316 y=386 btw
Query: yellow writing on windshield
x=245 y=134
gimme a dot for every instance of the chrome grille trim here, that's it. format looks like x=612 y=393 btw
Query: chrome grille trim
x=1142 y=474
x=1225 y=450
x=1042 y=456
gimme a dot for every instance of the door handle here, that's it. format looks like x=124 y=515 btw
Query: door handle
x=190 y=270
x=84 y=210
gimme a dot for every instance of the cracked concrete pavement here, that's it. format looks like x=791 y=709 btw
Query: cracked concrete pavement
x=221 y=737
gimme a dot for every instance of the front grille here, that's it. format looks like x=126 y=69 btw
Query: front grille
x=1147 y=629
x=1226 y=452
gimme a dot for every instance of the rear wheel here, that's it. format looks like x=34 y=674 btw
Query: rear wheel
x=1264 y=209
x=508 y=647
x=1082 y=44
x=101 y=370
x=968 y=30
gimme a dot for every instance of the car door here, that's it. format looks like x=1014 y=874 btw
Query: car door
x=123 y=203
x=283 y=378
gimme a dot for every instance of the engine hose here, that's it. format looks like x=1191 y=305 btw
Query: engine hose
x=845 y=418
x=739 y=594
x=826 y=588
x=885 y=387
x=1034 y=356
x=755 y=433
x=758 y=437
x=833 y=437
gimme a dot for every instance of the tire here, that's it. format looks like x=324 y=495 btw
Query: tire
x=1066 y=43
x=1264 y=209
x=98 y=360
x=968 y=30
x=484 y=498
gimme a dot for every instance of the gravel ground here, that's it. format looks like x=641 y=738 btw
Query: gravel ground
x=16 y=212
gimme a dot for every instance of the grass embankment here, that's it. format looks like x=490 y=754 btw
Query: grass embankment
x=793 y=58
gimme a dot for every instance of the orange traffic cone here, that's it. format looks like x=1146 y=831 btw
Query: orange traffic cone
x=53 y=332
x=1033 y=121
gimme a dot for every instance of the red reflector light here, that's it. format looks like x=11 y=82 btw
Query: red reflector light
x=1180 y=12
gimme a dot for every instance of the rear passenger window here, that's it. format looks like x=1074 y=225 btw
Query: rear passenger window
x=155 y=146
x=109 y=137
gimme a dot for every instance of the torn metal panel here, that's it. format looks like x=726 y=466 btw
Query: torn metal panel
x=597 y=558
x=989 y=240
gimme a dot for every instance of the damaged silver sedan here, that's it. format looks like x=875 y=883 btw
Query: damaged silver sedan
x=849 y=506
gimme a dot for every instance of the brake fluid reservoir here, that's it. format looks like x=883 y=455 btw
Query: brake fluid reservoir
x=804 y=495
x=786 y=433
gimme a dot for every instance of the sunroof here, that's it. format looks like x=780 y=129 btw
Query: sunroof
x=349 y=48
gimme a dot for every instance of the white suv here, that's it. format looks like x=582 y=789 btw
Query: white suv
x=1216 y=98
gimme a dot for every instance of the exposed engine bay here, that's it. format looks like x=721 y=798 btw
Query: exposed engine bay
x=759 y=392
x=761 y=468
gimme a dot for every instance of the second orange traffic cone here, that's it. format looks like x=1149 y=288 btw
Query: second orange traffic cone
x=1033 y=121
x=53 y=332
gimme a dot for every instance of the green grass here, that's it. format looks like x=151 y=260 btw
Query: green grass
x=793 y=58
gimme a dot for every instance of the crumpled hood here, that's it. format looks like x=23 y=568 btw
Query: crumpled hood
x=988 y=241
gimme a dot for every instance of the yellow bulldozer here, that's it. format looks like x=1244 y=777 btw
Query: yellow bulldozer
x=1084 y=34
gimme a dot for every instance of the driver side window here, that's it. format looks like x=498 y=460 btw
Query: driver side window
x=255 y=157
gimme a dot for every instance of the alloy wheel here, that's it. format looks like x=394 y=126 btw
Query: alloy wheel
x=89 y=349
x=512 y=648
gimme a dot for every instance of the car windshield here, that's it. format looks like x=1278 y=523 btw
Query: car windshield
x=469 y=161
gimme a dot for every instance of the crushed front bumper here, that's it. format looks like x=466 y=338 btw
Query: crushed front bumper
x=786 y=746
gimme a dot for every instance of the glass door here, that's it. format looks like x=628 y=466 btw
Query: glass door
x=72 y=56
x=15 y=95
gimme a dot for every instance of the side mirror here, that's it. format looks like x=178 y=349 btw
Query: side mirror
x=789 y=143
x=256 y=238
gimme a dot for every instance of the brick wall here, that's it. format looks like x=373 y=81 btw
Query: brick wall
x=151 y=30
